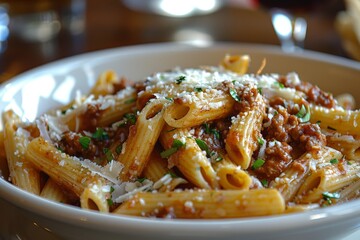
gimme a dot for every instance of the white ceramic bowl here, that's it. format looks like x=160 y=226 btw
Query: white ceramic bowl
x=25 y=216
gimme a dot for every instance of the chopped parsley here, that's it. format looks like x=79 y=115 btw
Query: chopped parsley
x=264 y=182
x=100 y=134
x=209 y=130
x=131 y=100
x=84 y=142
x=108 y=154
x=172 y=175
x=109 y=201
x=198 y=89
x=141 y=180
x=130 y=117
x=234 y=95
x=258 y=163
x=304 y=114
x=318 y=122
x=176 y=145
x=328 y=196
x=169 y=99
x=118 y=149
x=259 y=90
x=203 y=146
x=279 y=84
x=261 y=141
x=334 y=161
x=180 y=79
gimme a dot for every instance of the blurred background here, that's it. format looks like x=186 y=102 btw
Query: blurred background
x=36 y=32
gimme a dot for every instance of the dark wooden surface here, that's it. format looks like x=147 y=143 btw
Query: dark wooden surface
x=110 y=23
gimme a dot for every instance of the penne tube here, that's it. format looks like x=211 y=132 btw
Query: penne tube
x=241 y=141
x=53 y=192
x=22 y=173
x=65 y=170
x=157 y=171
x=352 y=191
x=289 y=182
x=203 y=108
x=4 y=168
x=205 y=204
x=142 y=139
x=231 y=176
x=295 y=208
x=189 y=159
x=236 y=63
x=349 y=145
x=336 y=119
x=327 y=179
x=96 y=196
x=104 y=85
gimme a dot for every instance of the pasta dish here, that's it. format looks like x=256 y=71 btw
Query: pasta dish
x=205 y=142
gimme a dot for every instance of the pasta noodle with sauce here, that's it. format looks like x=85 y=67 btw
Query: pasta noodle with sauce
x=206 y=142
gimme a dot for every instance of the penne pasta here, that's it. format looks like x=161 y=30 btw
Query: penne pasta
x=189 y=159
x=293 y=178
x=22 y=172
x=145 y=132
x=194 y=143
x=205 y=107
x=336 y=119
x=53 y=192
x=241 y=140
x=331 y=178
x=205 y=204
x=231 y=176
x=65 y=170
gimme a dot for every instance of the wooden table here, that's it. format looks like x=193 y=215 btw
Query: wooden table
x=108 y=24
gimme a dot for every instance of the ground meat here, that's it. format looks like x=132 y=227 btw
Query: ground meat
x=308 y=136
x=247 y=96
x=278 y=157
x=90 y=117
x=114 y=138
x=70 y=144
x=210 y=135
x=280 y=124
x=286 y=138
x=314 y=93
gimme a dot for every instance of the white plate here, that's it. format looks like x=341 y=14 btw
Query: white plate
x=25 y=216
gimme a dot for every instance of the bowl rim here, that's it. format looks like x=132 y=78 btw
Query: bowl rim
x=117 y=223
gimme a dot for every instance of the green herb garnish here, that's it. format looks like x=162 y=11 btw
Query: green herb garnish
x=141 y=180
x=130 y=117
x=109 y=201
x=180 y=79
x=100 y=134
x=304 y=114
x=198 y=89
x=234 y=95
x=258 y=163
x=131 y=100
x=203 y=146
x=264 y=182
x=279 y=84
x=84 y=142
x=327 y=196
x=118 y=149
x=108 y=154
x=176 y=145
x=209 y=130
x=261 y=141
x=334 y=161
